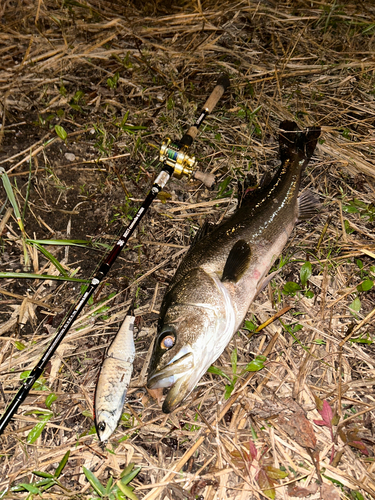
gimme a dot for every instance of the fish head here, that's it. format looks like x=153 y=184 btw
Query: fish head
x=185 y=346
x=106 y=423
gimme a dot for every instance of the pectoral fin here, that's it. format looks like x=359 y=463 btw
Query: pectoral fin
x=237 y=262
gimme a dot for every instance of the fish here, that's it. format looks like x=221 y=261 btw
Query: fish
x=224 y=270
x=114 y=379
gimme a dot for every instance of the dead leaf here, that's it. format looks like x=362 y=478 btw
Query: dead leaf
x=156 y=394
x=329 y=492
x=299 y=429
x=295 y=490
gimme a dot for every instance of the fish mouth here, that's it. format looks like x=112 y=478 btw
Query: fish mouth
x=105 y=427
x=177 y=375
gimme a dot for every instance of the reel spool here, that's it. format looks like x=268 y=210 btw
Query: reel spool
x=176 y=156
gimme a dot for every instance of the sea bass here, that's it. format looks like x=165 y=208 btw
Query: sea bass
x=221 y=274
x=114 y=379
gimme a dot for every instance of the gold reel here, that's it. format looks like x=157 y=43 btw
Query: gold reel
x=176 y=156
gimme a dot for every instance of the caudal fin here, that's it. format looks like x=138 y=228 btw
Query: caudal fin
x=297 y=142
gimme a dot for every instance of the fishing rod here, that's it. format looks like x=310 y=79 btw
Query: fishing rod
x=176 y=162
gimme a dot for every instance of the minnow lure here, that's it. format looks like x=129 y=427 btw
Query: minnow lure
x=114 y=379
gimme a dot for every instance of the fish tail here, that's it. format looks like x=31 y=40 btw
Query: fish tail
x=295 y=142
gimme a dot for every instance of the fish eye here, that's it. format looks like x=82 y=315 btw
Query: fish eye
x=101 y=426
x=167 y=342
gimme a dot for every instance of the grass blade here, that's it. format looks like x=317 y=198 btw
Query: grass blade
x=40 y=473
x=131 y=475
x=127 y=491
x=34 y=276
x=62 y=464
x=27 y=190
x=77 y=243
x=52 y=259
x=94 y=481
x=38 y=429
x=217 y=371
x=9 y=191
x=31 y=488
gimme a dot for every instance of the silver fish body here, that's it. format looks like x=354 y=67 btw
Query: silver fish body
x=114 y=379
x=222 y=273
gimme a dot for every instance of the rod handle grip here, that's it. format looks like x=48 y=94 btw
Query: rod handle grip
x=207 y=178
x=221 y=86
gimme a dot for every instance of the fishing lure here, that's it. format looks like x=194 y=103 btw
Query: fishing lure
x=114 y=379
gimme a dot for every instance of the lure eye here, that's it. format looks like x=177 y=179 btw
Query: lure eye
x=167 y=342
x=101 y=426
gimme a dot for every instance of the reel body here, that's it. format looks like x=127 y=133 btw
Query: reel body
x=176 y=156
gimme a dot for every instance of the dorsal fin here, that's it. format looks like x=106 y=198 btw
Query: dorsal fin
x=202 y=232
x=246 y=187
x=237 y=262
x=266 y=179
x=249 y=185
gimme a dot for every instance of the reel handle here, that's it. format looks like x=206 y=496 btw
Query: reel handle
x=205 y=177
x=175 y=154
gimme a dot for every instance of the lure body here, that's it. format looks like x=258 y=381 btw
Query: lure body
x=114 y=379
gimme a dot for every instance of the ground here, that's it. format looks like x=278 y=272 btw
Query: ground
x=88 y=90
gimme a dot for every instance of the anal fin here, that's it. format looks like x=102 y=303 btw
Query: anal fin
x=308 y=205
x=237 y=262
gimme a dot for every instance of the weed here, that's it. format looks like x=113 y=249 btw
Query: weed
x=48 y=481
x=61 y=132
x=77 y=100
x=365 y=210
x=223 y=192
x=253 y=462
x=192 y=427
x=118 y=491
x=124 y=62
x=104 y=140
x=26 y=242
x=250 y=325
x=112 y=82
x=254 y=366
x=347 y=434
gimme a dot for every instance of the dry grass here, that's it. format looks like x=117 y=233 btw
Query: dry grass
x=311 y=62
